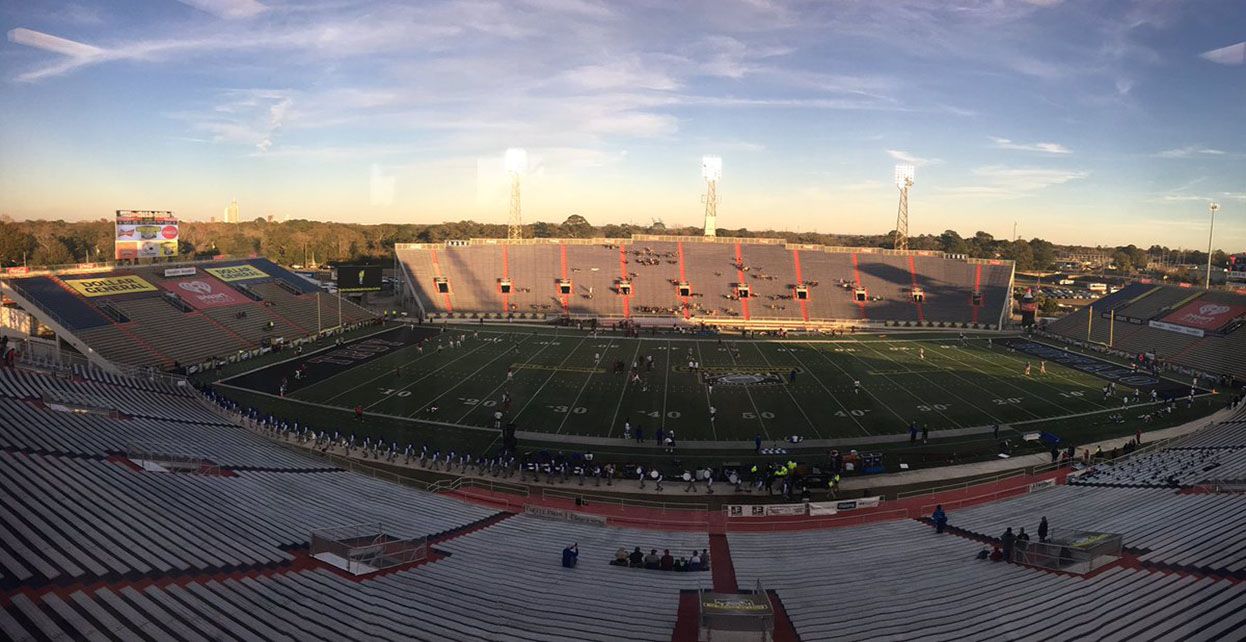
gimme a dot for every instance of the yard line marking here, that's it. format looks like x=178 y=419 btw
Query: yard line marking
x=622 y=393
x=376 y=362
x=709 y=403
x=1071 y=380
x=910 y=393
x=747 y=393
x=666 y=378
x=825 y=357
x=830 y=394
x=536 y=394
x=571 y=408
x=1040 y=381
x=973 y=405
x=464 y=379
x=1010 y=384
x=789 y=392
x=429 y=374
x=504 y=381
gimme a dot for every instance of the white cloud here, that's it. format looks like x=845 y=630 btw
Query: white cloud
x=1189 y=151
x=912 y=159
x=1045 y=148
x=228 y=9
x=1028 y=179
x=1230 y=55
x=621 y=74
x=1003 y=182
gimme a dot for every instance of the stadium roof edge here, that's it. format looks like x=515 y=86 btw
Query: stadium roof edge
x=727 y=240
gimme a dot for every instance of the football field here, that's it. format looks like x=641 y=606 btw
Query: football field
x=563 y=381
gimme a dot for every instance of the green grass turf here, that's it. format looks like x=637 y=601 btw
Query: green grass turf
x=563 y=384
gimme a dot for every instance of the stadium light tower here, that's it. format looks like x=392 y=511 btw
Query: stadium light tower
x=904 y=181
x=516 y=166
x=1211 y=207
x=711 y=171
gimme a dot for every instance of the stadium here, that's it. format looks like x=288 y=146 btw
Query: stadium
x=526 y=431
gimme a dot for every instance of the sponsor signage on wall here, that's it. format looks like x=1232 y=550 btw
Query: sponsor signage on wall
x=182 y=271
x=204 y=292
x=1160 y=325
x=563 y=515
x=144 y=234
x=1205 y=315
x=110 y=285
x=237 y=273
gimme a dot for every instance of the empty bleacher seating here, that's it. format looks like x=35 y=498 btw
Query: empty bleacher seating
x=463 y=278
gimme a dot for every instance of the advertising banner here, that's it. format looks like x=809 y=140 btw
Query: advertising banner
x=182 y=271
x=110 y=285
x=236 y=273
x=785 y=509
x=204 y=292
x=359 y=278
x=764 y=510
x=1205 y=316
x=819 y=509
x=145 y=234
x=564 y=515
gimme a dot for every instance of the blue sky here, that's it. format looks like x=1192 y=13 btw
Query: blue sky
x=1089 y=121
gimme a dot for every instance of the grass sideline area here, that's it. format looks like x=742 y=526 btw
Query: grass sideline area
x=563 y=385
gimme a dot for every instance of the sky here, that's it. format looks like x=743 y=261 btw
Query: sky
x=1089 y=121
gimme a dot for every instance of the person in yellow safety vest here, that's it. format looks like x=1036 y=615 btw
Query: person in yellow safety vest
x=781 y=471
x=791 y=466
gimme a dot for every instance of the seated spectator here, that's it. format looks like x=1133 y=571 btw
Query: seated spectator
x=984 y=553
x=681 y=564
x=694 y=562
x=652 y=561
x=620 y=557
x=637 y=559
x=997 y=555
x=569 y=555
x=667 y=562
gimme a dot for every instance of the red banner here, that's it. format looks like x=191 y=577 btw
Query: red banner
x=204 y=292
x=1205 y=315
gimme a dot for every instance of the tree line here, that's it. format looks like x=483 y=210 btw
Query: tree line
x=299 y=241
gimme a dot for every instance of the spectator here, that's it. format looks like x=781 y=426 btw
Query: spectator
x=997 y=555
x=985 y=553
x=1023 y=536
x=652 y=561
x=939 y=518
x=681 y=564
x=569 y=555
x=620 y=557
x=1008 y=539
x=1042 y=529
x=694 y=562
x=636 y=559
x=667 y=563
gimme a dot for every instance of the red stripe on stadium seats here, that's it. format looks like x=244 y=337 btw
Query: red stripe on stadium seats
x=921 y=317
x=682 y=279
x=437 y=274
x=800 y=280
x=566 y=304
x=977 y=282
x=739 y=259
x=856 y=276
x=627 y=298
x=506 y=274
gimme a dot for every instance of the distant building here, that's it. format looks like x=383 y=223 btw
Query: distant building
x=231 y=212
